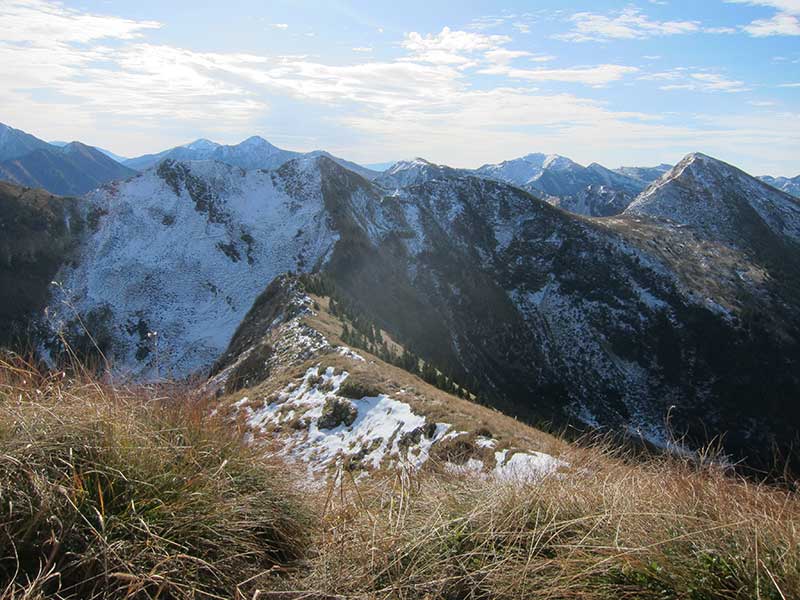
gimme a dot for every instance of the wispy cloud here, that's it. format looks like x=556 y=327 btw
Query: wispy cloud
x=683 y=78
x=39 y=22
x=786 y=21
x=464 y=96
x=629 y=24
x=596 y=76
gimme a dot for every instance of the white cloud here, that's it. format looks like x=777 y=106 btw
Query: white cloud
x=362 y=49
x=788 y=6
x=504 y=56
x=488 y=22
x=38 y=22
x=279 y=25
x=780 y=24
x=790 y=85
x=720 y=30
x=786 y=21
x=450 y=41
x=449 y=47
x=629 y=24
x=713 y=82
x=597 y=75
x=59 y=65
x=684 y=78
x=73 y=72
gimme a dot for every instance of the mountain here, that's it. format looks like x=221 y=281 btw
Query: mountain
x=519 y=172
x=108 y=153
x=644 y=174
x=253 y=153
x=721 y=201
x=412 y=172
x=592 y=191
x=73 y=169
x=365 y=172
x=611 y=322
x=380 y=167
x=594 y=201
x=184 y=249
x=15 y=143
x=786 y=184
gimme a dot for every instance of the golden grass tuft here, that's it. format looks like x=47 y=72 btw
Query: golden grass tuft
x=111 y=493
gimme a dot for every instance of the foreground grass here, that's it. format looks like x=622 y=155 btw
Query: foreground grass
x=664 y=529
x=108 y=493
x=113 y=494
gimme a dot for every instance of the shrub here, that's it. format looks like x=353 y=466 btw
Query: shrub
x=336 y=412
x=355 y=389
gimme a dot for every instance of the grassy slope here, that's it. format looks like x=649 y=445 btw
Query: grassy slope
x=136 y=494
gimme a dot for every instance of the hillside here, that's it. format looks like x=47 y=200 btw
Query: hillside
x=292 y=382
x=790 y=185
x=38 y=232
x=15 y=143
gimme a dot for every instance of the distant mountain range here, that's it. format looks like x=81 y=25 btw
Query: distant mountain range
x=74 y=169
x=108 y=153
x=787 y=184
x=253 y=153
x=15 y=143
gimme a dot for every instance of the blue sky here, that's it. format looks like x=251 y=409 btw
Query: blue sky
x=461 y=83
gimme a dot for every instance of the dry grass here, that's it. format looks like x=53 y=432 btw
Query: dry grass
x=108 y=493
x=663 y=529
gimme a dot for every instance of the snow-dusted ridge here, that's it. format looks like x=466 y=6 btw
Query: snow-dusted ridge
x=313 y=420
x=708 y=194
x=310 y=421
x=182 y=251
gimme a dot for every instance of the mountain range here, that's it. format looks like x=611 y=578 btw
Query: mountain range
x=683 y=301
x=74 y=169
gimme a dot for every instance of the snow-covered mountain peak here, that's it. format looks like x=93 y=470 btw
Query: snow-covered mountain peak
x=411 y=172
x=405 y=165
x=256 y=142
x=717 y=198
x=534 y=158
x=557 y=162
x=202 y=145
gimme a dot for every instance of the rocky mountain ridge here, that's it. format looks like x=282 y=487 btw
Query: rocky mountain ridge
x=607 y=322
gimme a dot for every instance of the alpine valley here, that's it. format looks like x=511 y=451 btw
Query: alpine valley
x=662 y=303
